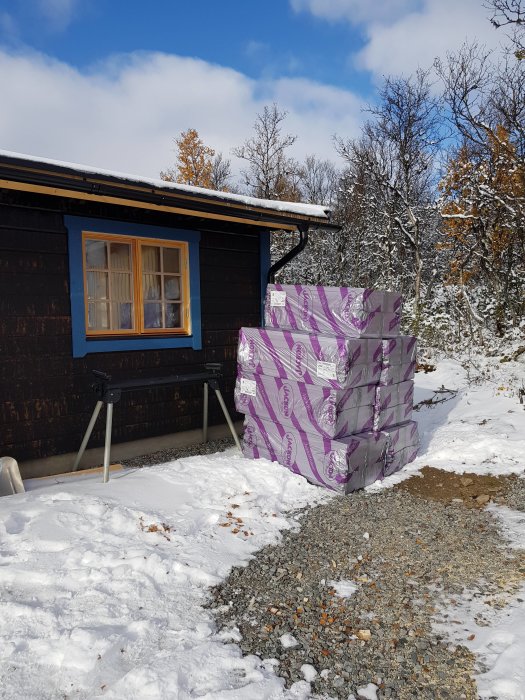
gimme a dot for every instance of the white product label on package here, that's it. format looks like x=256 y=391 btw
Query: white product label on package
x=277 y=298
x=326 y=370
x=248 y=386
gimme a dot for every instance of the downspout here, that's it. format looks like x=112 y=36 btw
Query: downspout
x=291 y=254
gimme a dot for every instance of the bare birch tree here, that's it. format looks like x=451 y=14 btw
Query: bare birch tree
x=511 y=14
x=396 y=156
x=270 y=171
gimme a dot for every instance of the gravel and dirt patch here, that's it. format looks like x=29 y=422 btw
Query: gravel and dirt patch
x=472 y=490
x=405 y=551
x=162 y=456
x=400 y=553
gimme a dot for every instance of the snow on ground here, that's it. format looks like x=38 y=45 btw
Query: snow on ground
x=102 y=585
x=344 y=589
x=479 y=429
x=495 y=634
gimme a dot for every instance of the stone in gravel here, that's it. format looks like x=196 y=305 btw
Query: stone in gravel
x=364 y=635
x=308 y=672
x=484 y=498
x=368 y=693
x=288 y=641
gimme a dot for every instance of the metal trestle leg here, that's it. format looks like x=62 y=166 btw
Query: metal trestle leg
x=107 y=442
x=88 y=434
x=227 y=416
x=205 y=414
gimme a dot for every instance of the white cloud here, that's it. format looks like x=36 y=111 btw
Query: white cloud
x=355 y=11
x=124 y=113
x=402 y=35
x=256 y=48
x=415 y=39
x=317 y=113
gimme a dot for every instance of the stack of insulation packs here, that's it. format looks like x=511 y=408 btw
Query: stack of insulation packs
x=327 y=386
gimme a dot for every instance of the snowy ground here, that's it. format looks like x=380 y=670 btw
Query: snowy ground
x=499 y=639
x=102 y=586
x=480 y=429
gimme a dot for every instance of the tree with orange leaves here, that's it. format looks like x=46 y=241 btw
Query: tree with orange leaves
x=194 y=161
x=483 y=210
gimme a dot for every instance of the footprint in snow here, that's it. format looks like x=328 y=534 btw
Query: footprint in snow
x=16 y=523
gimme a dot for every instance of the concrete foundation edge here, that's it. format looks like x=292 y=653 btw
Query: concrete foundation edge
x=60 y=464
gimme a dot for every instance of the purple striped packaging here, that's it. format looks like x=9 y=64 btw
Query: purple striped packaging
x=341 y=465
x=339 y=311
x=403 y=444
x=400 y=459
x=402 y=436
x=329 y=412
x=393 y=415
x=395 y=374
x=400 y=350
x=323 y=360
x=394 y=404
x=394 y=394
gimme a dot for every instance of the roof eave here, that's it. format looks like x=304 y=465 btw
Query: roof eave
x=19 y=173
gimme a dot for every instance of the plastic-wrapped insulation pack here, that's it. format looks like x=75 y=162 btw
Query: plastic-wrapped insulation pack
x=323 y=360
x=329 y=412
x=342 y=465
x=339 y=311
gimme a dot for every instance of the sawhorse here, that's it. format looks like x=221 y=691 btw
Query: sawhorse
x=109 y=392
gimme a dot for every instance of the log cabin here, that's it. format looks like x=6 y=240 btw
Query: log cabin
x=131 y=276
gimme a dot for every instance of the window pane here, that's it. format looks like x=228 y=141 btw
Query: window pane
x=120 y=286
x=98 y=316
x=173 y=315
x=171 y=259
x=151 y=287
x=113 y=279
x=97 y=283
x=96 y=254
x=150 y=258
x=120 y=256
x=152 y=316
x=122 y=318
x=91 y=316
x=171 y=288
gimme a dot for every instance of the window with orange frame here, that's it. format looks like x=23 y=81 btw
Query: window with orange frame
x=135 y=286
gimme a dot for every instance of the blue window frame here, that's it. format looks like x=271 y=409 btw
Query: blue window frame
x=82 y=343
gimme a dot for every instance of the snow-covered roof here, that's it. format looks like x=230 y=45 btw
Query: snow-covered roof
x=309 y=210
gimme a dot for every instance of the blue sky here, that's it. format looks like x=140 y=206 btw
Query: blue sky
x=255 y=37
x=110 y=83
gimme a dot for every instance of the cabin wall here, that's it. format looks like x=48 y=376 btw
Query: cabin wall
x=46 y=397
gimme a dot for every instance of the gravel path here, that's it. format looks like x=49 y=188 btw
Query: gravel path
x=515 y=494
x=201 y=448
x=403 y=554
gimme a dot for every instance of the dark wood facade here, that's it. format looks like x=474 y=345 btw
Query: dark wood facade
x=46 y=400
x=45 y=392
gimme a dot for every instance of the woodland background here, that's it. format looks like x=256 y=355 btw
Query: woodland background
x=430 y=197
